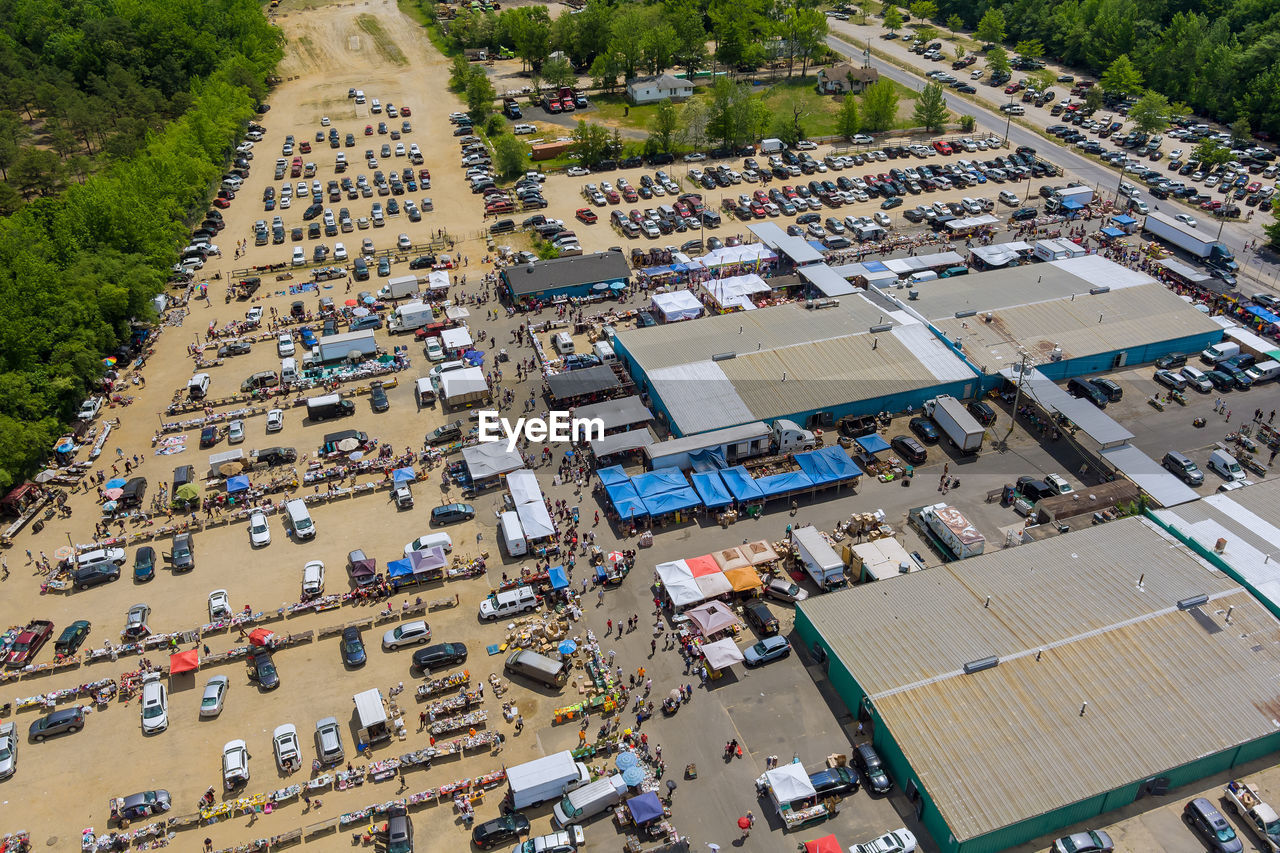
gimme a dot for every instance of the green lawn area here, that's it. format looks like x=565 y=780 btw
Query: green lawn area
x=617 y=110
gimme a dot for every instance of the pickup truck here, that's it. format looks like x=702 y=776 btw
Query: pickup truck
x=28 y=643
x=1243 y=800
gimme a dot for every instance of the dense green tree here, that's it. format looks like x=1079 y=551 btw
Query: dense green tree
x=1029 y=49
x=879 y=106
x=460 y=71
x=693 y=123
x=591 y=143
x=848 y=121
x=789 y=126
x=892 y=19
x=1093 y=98
x=690 y=49
x=559 y=73
x=1121 y=77
x=663 y=126
x=998 y=60
x=509 y=155
x=480 y=97
x=930 y=111
x=924 y=9
x=1210 y=154
x=991 y=28
x=955 y=23
x=1241 y=133
x=1151 y=113
x=926 y=32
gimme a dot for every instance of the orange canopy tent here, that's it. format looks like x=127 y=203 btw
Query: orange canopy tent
x=823 y=845
x=743 y=579
x=184 y=662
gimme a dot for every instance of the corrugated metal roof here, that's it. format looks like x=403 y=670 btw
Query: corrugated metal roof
x=1009 y=743
x=540 y=276
x=1087 y=325
x=732 y=435
x=1149 y=475
x=699 y=396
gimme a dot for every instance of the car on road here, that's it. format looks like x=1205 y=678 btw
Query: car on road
x=259 y=530
x=407 y=634
x=284 y=742
x=769 y=649
x=351 y=647
x=491 y=833
x=452 y=513
x=68 y=720
x=235 y=764
x=1089 y=841
x=439 y=655
x=215 y=696
x=1186 y=219
x=71 y=638
x=155 y=704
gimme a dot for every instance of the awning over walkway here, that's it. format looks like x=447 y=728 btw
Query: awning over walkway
x=1096 y=423
x=1149 y=475
x=616 y=413
x=622 y=441
x=827 y=281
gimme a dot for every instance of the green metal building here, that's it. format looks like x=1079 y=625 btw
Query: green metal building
x=1029 y=689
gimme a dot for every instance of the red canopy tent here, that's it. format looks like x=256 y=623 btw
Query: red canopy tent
x=184 y=662
x=823 y=845
x=261 y=636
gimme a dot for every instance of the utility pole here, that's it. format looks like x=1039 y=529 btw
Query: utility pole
x=1008 y=120
x=1017 y=395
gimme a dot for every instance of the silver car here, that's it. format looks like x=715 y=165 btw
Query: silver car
x=784 y=590
x=215 y=695
x=406 y=634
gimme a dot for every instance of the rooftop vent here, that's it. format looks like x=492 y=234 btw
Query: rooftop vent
x=968 y=313
x=882 y=327
x=724 y=356
x=980 y=664
x=1193 y=601
x=1102 y=288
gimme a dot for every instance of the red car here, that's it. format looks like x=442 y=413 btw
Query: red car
x=629 y=193
x=682 y=208
x=424 y=174
x=942 y=147
x=28 y=643
x=405 y=111
x=587 y=215
x=760 y=196
x=221 y=203
x=790 y=192
x=636 y=216
x=1253 y=187
x=1012 y=88
x=368 y=130
x=612 y=197
x=304 y=147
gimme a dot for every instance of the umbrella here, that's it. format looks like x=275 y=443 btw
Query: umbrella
x=228 y=469
x=632 y=776
x=403 y=475
x=369 y=300
x=568 y=647
x=63 y=552
x=360 y=312
x=625 y=760
x=113 y=494
x=348 y=444
x=616 y=286
x=187 y=492
x=109 y=506
x=351 y=303
x=676 y=696
x=114 y=483
x=598 y=286
x=615 y=557
x=65 y=447
x=744 y=822
x=715 y=848
x=109 y=361
x=356 y=456
x=46 y=475
x=261 y=636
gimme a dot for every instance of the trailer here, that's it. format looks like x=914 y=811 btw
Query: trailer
x=952 y=418
x=818 y=558
x=340 y=347
x=1188 y=239
x=952 y=530
x=410 y=317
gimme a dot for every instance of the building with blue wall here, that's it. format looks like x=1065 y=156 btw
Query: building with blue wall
x=578 y=275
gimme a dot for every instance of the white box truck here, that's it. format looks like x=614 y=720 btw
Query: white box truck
x=951 y=417
x=954 y=530
x=545 y=779
x=371 y=715
x=513 y=538
x=339 y=347
x=399 y=287
x=410 y=317
x=818 y=558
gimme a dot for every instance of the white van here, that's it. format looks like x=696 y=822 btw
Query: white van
x=1224 y=464
x=1015 y=110
x=375 y=106
x=300 y=519
x=1219 y=353
x=431 y=540
x=359 y=96
x=588 y=801
x=604 y=352
x=198 y=386
x=923 y=275
x=288 y=371
x=513 y=538
x=1263 y=371
x=563 y=343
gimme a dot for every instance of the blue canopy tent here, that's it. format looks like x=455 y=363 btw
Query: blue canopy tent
x=1263 y=314
x=872 y=443
x=238 y=483
x=559 y=580
x=665 y=490
x=399 y=569
x=1123 y=219
x=645 y=807
x=1113 y=233
x=626 y=502
x=828 y=465
x=403 y=475
x=1072 y=208
x=711 y=459
x=711 y=488
x=777 y=485
x=741 y=484
x=613 y=474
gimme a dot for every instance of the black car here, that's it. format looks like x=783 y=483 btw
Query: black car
x=234 y=348
x=1025 y=213
x=1202 y=816
x=834 y=782
x=491 y=833
x=262 y=669
x=378 y=397
x=352 y=647
x=982 y=412
x=1171 y=361
x=439 y=655
x=644 y=320
x=924 y=428
x=872 y=768
x=760 y=617
x=94 y=575
x=909 y=449
x=209 y=436
x=1034 y=489
x=71 y=638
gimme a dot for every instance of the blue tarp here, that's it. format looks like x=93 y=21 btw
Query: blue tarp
x=741 y=484
x=1111 y=232
x=665 y=490
x=781 y=484
x=876 y=266
x=652 y=271
x=626 y=502
x=711 y=488
x=238 y=483
x=1255 y=310
x=399 y=568
x=645 y=807
x=559 y=580
x=1072 y=204
x=656 y=482
x=711 y=459
x=612 y=474
x=827 y=465
x=403 y=475
x=872 y=443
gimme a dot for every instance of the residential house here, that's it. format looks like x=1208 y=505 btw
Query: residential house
x=650 y=90
x=846 y=77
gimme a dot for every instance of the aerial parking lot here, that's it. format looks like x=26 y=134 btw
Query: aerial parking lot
x=274 y=590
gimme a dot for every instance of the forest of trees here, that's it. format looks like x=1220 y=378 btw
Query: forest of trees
x=155 y=92
x=1219 y=57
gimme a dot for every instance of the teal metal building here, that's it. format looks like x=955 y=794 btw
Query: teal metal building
x=1022 y=692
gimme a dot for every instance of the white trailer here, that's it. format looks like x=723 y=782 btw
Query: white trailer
x=338 y=347
x=818 y=558
x=954 y=530
x=953 y=419
x=410 y=317
x=545 y=779
x=372 y=717
x=399 y=287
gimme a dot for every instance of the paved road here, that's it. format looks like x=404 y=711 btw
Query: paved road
x=1262 y=268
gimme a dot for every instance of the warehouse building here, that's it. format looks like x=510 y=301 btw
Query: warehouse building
x=1026 y=690
x=796 y=361
x=576 y=275
x=1071 y=317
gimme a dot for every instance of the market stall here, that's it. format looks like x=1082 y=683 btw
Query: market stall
x=720 y=655
x=677 y=305
x=679 y=583
x=714 y=618
x=792 y=794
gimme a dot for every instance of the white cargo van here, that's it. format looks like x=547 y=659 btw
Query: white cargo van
x=588 y=801
x=923 y=275
x=1263 y=371
x=563 y=343
x=604 y=352
x=1225 y=465
x=513 y=538
x=288 y=371
x=300 y=519
x=1219 y=353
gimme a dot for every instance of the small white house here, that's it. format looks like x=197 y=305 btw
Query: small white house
x=650 y=90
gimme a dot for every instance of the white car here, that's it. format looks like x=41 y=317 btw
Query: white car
x=259 y=530
x=235 y=432
x=313 y=579
x=578 y=172
x=155 y=704
x=862 y=139
x=215 y=694
x=1186 y=219
x=275 y=420
x=524 y=128
x=285 y=743
x=284 y=343
x=806 y=145
x=406 y=634
x=235 y=764
x=339 y=252
x=299 y=257
x=694 y=157
x=324 y=121
x=404 y=243
x=898 y=841
x=435 y=351
x=8 y=750
x=882 y=219
x=219 y=605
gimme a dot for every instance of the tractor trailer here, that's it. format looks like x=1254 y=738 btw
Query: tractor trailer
x=1188 y=239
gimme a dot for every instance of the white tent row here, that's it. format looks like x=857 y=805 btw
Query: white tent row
x=531 y=505
x=681 y=586
x=735 y=291
x=677 y=305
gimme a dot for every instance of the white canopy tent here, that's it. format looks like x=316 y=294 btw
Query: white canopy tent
x=530 y=504
x=735 y=291
x=681 y=587
x=490 y=459
x=788 y=783
x=677 y=305
x=455 y=339
x=713 y=584
x=724 y=653
x=438 y=280
x=458 y=383
x=456 y=313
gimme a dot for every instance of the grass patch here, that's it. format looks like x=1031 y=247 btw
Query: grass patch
x=616 y=110
x=387 y=48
